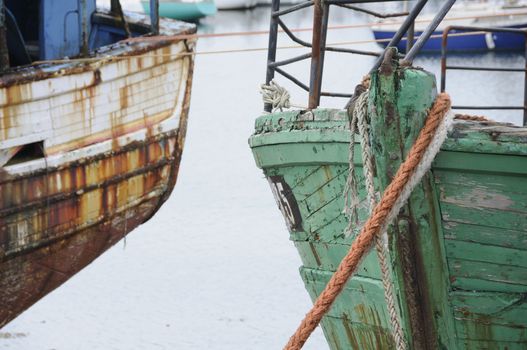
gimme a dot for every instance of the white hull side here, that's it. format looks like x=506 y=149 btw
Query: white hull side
x=75 y=114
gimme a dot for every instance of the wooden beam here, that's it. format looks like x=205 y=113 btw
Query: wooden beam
x=399 y=101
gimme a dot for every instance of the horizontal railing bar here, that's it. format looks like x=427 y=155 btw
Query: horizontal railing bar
x=292 y=78
x=293 y=8
x=492 y=69
x=329 y=48
x=290 y=60
x=358 y=52
x=491 y=107
x=335 y=94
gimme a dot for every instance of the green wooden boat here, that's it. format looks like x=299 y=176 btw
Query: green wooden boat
x=457 y=251
x=466 y=224
x=183 y=10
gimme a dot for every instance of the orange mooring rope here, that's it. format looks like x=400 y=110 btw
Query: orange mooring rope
x=362 y=244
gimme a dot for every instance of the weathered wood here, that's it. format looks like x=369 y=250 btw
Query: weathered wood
x=297 y=154
x=493 y=138
x=474 y=269
x=500 y=181
x=479 y=285
x=327 y=256
x=484 y=196
x=492 y=307
x=485 y=217
x=494 y=163
x=325 y=194
x=485 y=235
x=494 y=345
x=482 y=330
x=361 y=300
x=506 y=275
x=486 y=253
x=344 y=335
x=78 y=108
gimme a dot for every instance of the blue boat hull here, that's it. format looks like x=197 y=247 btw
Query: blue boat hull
x=476 y=42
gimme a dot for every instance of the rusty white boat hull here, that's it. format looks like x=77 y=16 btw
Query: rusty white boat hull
x=111 y=134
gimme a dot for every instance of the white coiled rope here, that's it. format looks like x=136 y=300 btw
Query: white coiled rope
x=277 y=96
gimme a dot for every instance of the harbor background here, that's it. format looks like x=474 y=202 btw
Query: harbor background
x=214 y=268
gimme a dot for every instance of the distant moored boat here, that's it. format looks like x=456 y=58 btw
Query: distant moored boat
x=463 y=14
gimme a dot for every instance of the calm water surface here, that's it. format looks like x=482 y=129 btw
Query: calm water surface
x=214 y=268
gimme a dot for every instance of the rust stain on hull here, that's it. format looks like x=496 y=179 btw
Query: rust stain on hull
x=28 y=277
x=48 y=238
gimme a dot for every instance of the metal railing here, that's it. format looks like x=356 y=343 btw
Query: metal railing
x=445 y=66
x=318 y=42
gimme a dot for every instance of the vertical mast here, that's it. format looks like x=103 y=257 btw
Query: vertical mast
x=320 y=26
x=271 y=51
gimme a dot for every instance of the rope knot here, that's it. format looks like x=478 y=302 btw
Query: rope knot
x=276 y=95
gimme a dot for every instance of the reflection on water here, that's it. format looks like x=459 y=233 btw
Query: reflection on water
x=214 y=268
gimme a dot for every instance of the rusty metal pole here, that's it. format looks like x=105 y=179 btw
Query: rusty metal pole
x=4 y=53
x=410 y=34
x=154 y=16
x=444 y=44
x=271 y=48
x=320 y=26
